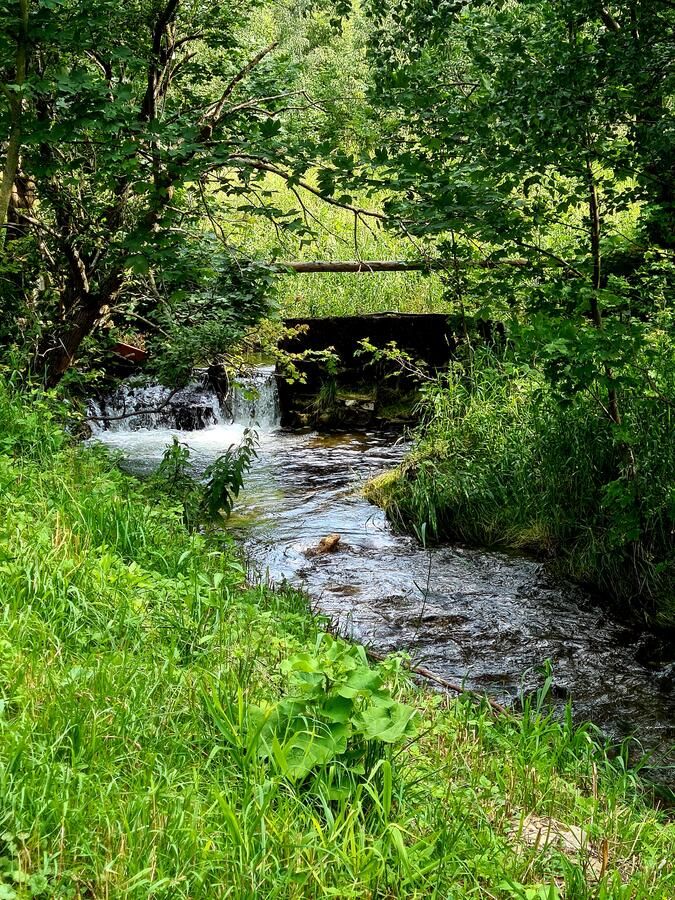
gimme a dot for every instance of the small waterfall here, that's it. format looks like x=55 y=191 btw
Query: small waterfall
x=137 y=407
x=255 y=399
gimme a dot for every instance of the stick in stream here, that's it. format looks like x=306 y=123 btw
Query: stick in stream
x=137 y=412
x=431 y=676
x=423 y=672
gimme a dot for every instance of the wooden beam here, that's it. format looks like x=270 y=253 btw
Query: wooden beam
x=394 y=265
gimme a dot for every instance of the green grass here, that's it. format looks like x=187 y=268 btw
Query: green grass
x=133 y=661
x=499 y=460
x=334 y=294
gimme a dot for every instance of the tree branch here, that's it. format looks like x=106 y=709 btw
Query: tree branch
x=609 y=20
x=214 y=111
x=263 y=166
x=393 y=265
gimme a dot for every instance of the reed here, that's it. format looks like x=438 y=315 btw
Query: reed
x=500 y=461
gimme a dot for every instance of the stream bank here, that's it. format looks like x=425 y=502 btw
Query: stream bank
x=488 y=620
x=134 y=664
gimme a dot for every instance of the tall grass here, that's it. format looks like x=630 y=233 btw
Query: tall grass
x=499 y=460
x=336 y=238
x=133 y=655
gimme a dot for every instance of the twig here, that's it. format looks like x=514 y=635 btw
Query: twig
x=431 y=676
x=138 y=412
x=263 y=166
x=214 y=112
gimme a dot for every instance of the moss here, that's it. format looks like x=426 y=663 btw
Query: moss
x=381 y=491
x=359 y=396
x=398 y=406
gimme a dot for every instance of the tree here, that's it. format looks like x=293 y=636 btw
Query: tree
x=532 y=128
x=544 y=129
x=12 y=88
x=133 y=117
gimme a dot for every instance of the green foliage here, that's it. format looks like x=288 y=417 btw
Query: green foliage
x=176 y=481
x=538 y=132
x=213 y=496
x=500 y=460
x=516 y=130
x=134 y=661
x=134 y=122
x=326 y=399
x=333 y=731
x=214 y=300
x=225 y=476
x=336 y=719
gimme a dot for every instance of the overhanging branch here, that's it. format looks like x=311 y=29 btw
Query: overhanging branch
x=262 y=165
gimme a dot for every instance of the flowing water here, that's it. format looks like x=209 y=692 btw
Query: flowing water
x=486 y=619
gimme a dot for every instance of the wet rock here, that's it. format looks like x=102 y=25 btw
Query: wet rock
x=666 y=679
x=137 y=405
x=560 y=692
x=652 y=651
x=328 y=544
x=194 y=418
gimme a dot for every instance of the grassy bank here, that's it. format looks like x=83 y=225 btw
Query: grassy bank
x=169 y=731
x=500 y=461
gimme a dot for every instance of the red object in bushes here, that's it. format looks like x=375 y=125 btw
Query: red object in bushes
x=133 y=354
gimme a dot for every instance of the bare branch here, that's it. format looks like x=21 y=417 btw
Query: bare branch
x=214 y=112
x=253 y=102
x=557 y=259
x=263 y=166
x=101 y=63
x=393 y=265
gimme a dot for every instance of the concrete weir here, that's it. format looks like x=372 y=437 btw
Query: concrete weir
x=350 y=389
x=342 y=386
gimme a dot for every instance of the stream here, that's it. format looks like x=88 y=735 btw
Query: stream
x=485 y=619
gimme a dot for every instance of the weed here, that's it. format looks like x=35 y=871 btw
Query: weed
x=499 y=461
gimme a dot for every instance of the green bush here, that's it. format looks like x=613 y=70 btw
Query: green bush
x=500 y=460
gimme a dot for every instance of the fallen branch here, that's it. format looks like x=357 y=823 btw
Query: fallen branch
x=437 y=679
x=386 y=265
x=138 y=412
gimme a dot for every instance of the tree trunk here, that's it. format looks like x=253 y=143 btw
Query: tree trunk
x=60 y=346
x=11 y=166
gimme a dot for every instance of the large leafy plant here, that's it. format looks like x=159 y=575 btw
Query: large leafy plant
x=213 y=496
x=336 y=725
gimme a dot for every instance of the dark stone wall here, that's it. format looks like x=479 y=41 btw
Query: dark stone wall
x=431 y=337
x=366 y=393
